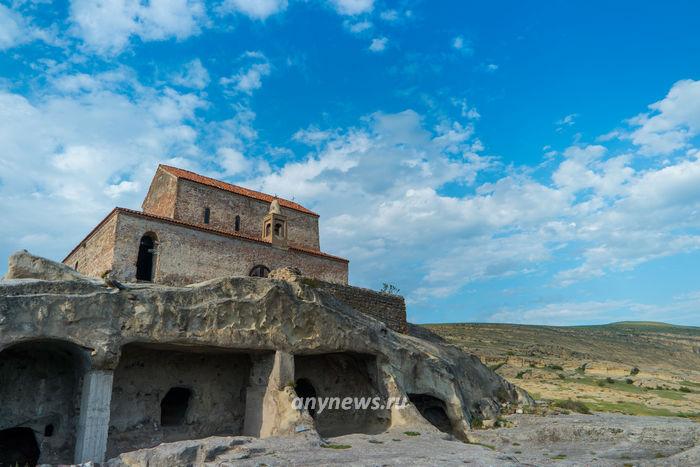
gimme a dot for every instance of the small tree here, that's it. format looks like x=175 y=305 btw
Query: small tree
x=390 y=289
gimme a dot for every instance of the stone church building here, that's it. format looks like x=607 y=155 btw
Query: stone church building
x=194 y=228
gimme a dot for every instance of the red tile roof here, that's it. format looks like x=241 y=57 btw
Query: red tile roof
x=193 y=177
x=201 y=228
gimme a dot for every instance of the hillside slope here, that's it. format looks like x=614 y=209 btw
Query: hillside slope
x=629 y=367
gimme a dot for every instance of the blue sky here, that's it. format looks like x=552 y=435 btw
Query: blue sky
x=530 y=162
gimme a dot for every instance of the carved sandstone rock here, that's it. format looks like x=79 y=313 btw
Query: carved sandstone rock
x=273 y=333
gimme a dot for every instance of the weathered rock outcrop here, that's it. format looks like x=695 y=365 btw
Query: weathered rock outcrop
x=272 y=323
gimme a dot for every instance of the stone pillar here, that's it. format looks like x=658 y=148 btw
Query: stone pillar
x=266 y=403
x=282 y=371
x=255 y=393
x=93 y=425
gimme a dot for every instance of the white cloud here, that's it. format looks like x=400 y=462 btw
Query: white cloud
x=566 y=121
x=249 y=79
x=378 y=44
x=357 y=27
x=193 y=75
x=256 y=9
x=352 y=7
x=233 y=162
x=107 y=26
x=15 y=30
x=672 y=121
x=11 y=28
x=681 y=309
x=312 y=136
x=463 y=45
x=600 y=211
x=73 y=152
x=389 y=15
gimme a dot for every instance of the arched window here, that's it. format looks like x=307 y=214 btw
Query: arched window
x=267 y=230
x=259 y=271
x=207 y=214
x=237 y=224
x=146 y=258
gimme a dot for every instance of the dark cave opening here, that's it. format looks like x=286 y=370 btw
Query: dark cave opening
x=173 y=407
x=433 y=410
x=18 y=446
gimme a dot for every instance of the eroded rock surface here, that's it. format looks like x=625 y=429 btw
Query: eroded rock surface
x=600 y=440
x=259 y=319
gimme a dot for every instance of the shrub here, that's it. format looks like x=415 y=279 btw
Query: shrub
x=336 y=446
x=311 y=282
x=574 y=406
x=634 y=371
x=561 y=376
x=521 y=374
x=554 y=367
x=629 y=381
x=601 y=383
x=411 y=433
x=685 y=389
x=609 y=380
x=582 y=369
x=496 y=366
x=390 y=289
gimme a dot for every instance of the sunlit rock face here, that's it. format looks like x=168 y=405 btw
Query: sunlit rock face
x=221 y=357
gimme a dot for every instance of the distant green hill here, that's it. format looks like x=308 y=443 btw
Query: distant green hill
x=628 y=342
x=648 y=326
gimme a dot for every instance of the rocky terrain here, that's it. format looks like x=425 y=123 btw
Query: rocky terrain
x=279 y=329
x=601 y=440
x=636 y=368
x=56 y=323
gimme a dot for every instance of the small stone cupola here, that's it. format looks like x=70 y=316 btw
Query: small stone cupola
x=275 y=226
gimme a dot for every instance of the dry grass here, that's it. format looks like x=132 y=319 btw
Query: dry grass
x=635 y=368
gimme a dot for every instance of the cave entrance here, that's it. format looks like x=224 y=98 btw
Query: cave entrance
x=335 y=377
x=39 y=401
x=306 y=392
x=18 y=446
x=173 y=407
x=433 y=410
x=165 y=393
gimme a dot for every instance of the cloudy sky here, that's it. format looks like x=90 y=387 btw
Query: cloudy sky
x=529 y=162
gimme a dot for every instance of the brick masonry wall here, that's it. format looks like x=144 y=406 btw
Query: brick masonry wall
x=387 y=308
x=185 y=255
x=94 y=256
x=224 y=206
x=161 y=196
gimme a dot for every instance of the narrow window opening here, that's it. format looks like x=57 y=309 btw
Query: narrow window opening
x=145 y=260
x=18 y=446
x=76 y=265
x=259 y=271
x=207 y=214
x=268 y=228
x=278 y=230
x=306 y=391
x=48 y=430
x=173 y=407
x=237 y=224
